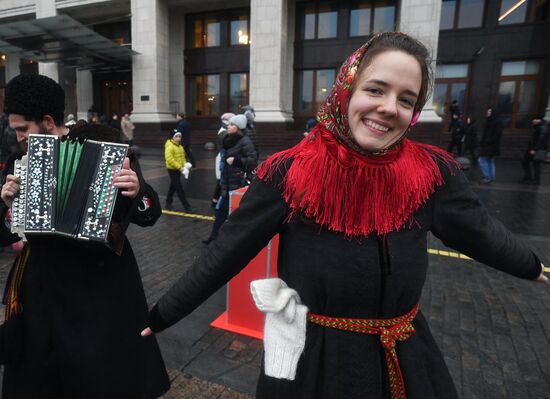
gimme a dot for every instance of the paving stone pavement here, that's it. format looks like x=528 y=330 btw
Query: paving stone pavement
x=493 y=329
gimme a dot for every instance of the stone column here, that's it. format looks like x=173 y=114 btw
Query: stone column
x=177 y=80
x=84 y=93
x=150 y=71
x=12 y=66
x=271 y=59
x=420 y=19
x=44 y=9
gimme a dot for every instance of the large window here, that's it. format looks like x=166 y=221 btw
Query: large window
x=518 y=93
x=521 y=11
x=211 y=95
x=238 y=91
x=319 y=22
x=239 y=31
x=370 y=17
x=204 y=95
x=207 y=31
x=451 y=84
x=460 y=14
x=313 y=88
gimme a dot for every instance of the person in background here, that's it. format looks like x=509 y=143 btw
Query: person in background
x=127 y=128
x=104 y=120
x=176 y=165
x=353 y=205
x=238 y=158
x=454 y=109
x=70 y=121
x=222 y=132
x=92 y=112
x=470 y=139
x=250 y=129
x=536 y=151
x=8 y=145
x=184 y=128
x=310 y=124
x=115 y=122
x=457 y=135
x=489 y=147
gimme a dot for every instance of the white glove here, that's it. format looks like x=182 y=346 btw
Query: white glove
x=185 y=170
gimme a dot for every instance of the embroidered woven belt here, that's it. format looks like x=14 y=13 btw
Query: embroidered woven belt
x=390 y=330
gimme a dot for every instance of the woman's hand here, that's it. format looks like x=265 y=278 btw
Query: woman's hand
x=146 y=332
x=10 y=189
x=230 y=160
x=127 y=181
x=542 y=278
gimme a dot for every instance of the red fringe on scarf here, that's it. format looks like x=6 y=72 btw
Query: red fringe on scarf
x=353 y=194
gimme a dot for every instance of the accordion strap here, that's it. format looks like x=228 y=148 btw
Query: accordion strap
x=13 y=285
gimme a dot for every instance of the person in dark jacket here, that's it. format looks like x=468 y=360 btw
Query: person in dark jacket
x=115 y=122
x=470 y=139
x=8 y=145
x=457 y=135
x=222 y=132
x=310 y=124
x=489 y=147
x=454 y=110
x=342 y=319
x=237 y=159
x=74 y=312
x=536 y=151
x=250 y=129
x=184 y=128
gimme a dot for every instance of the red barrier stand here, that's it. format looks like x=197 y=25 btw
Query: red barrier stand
x=241 y=315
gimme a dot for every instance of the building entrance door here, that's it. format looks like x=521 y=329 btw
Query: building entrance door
x=116 y=96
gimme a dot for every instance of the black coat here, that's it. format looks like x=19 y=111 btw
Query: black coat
x=82 y=312
x=490 y=140
x=457 y=132
x=471 y=136
x=539 y=139
x=242 y=149
x=358 y=278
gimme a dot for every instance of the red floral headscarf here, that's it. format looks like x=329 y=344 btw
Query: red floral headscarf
x=346 y=188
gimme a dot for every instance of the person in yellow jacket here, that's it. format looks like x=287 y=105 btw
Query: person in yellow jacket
x=174 y=157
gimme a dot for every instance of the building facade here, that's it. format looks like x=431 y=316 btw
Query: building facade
x=207 y=57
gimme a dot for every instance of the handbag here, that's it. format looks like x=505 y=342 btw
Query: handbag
x=540 y=156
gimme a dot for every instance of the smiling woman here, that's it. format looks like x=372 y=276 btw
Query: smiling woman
x=353 y=204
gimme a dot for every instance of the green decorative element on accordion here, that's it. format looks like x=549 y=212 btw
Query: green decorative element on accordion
x=67 y=188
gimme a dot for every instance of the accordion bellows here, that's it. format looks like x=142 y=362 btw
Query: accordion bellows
x=67 y=188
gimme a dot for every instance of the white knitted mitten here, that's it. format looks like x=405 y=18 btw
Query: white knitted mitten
x=285 y=326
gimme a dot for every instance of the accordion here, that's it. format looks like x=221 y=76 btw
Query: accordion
x=67 y=188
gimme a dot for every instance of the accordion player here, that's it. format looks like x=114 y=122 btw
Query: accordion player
x=67 y=189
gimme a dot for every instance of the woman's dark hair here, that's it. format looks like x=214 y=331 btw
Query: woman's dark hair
x=398 y=41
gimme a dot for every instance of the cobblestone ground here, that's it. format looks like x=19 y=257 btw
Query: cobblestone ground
x=493 y=329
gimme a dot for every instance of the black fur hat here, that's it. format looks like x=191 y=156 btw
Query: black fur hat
x=34 y=96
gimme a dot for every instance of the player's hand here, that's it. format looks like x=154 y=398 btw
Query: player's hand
x=10 y=189
x=126 y=180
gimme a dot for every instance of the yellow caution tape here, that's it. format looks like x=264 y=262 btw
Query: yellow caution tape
x=450 y=254
x=188 y=215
